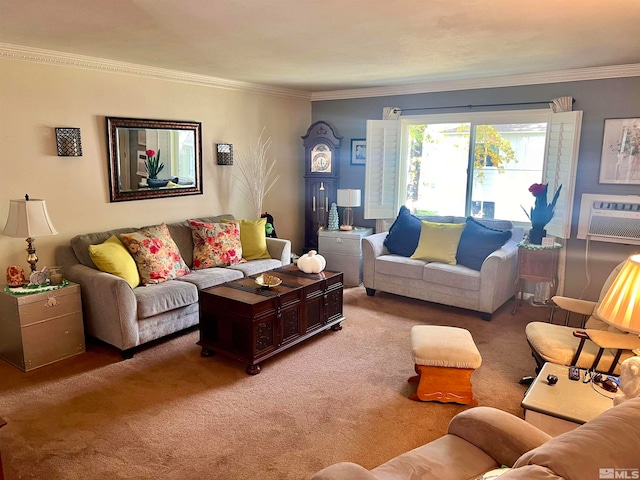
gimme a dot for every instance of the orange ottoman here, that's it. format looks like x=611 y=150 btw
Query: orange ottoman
x=445 y=358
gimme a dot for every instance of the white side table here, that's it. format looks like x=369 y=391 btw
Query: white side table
x=343 y=252
x=559 y=408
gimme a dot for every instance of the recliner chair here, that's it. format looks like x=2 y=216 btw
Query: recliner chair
x=480 y=439
x=597 y=346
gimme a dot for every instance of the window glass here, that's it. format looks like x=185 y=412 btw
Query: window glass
x=473 y=167
x=437 y=168
x=508 y=159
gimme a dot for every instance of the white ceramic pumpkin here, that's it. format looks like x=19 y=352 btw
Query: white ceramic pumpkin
x=312 y=262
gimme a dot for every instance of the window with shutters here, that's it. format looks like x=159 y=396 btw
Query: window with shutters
x=478 y=164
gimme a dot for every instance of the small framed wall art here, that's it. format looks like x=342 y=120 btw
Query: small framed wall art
x=141 y=167
x=358 y=151
x=620 y=160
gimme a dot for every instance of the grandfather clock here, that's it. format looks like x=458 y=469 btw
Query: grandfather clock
x=321 y=152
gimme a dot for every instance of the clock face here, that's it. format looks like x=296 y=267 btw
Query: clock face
x=321 y=158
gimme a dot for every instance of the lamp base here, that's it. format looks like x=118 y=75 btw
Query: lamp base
x=32 y=258
x=347 y=220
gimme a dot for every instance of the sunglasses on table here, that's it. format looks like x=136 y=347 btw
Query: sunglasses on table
x=601 y=380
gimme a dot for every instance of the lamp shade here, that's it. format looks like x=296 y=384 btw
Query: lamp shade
x=28 y=218
x=620 y=307
x=348 y=197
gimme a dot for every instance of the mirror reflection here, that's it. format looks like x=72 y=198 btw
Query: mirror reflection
x=153 y=158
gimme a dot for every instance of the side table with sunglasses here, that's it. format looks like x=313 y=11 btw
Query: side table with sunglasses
x=556 y=404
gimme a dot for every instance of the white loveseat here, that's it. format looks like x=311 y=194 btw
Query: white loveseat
x=483 y=290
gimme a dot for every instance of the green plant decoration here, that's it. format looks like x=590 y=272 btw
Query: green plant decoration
x=152 y=163
x=542 y=212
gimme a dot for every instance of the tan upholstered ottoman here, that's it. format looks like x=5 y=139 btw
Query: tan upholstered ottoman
x=445 y=358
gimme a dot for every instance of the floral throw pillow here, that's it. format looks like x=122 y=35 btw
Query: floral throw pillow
x=156 y=254
x=215 y=244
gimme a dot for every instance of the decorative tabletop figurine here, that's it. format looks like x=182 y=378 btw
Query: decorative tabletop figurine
x=15 y=276
x=311 y=262
x=333 y=217
x=38 y=278
x=629 y=380
x=270 y=227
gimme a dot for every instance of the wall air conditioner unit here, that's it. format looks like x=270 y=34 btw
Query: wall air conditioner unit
x=610 y=218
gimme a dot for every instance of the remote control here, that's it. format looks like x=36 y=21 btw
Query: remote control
x=574 y=373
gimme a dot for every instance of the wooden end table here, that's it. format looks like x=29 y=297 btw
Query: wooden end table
x=559 y=408
x=536 y=264
x=246 y=322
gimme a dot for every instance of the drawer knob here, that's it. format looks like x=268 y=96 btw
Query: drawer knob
x=52 y=301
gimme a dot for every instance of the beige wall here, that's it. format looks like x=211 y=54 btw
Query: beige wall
x=36 y=98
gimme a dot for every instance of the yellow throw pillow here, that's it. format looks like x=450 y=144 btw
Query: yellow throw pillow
x=113 y=257
x=254 y=239
x=438 y=242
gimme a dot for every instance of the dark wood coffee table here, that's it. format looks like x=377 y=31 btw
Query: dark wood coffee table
x=249 y=323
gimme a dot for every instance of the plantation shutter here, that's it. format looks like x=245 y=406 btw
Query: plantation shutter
x=561 y=161
x=382 y=169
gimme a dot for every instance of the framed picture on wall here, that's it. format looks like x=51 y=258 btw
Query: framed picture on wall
x=358 y=151
x=620 y=160
x=141 y=168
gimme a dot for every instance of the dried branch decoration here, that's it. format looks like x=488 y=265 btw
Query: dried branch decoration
x=257 y=173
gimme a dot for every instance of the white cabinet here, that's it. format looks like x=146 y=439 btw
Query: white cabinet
x=343 y=252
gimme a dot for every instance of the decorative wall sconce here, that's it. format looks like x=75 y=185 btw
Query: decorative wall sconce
x=69 y=142
x=225 y=154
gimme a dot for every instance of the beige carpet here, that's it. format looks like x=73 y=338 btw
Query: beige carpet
x=169 y=413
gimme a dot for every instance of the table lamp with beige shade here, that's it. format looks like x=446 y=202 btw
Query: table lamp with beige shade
x=620 y=308
x=29 y=218
x=348 y=198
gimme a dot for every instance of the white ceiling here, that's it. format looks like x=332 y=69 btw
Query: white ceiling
x=332 y=45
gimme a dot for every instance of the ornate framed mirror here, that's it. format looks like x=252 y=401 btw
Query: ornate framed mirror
x=172 y=168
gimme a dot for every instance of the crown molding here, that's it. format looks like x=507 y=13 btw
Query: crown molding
x=51 y=57
x=581 y=74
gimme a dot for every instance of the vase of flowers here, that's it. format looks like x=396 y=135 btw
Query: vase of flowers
x=154 y=167
x=542 y=212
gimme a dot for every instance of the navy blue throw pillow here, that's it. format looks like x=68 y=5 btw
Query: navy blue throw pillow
x=404 y=234
x=477 y=242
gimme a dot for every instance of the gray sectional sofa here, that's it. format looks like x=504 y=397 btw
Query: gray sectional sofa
x=483 y=290
x=127 y=317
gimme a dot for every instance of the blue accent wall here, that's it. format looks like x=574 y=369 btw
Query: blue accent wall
x=598 y=99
